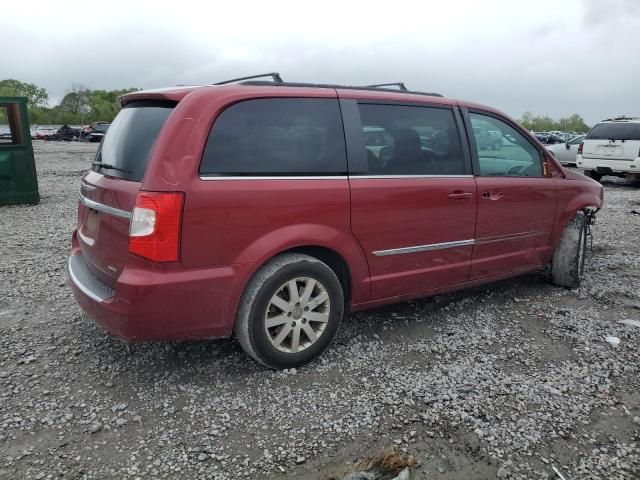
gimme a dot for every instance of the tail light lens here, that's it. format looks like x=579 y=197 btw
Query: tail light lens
x=154 y=232
x=580 y=148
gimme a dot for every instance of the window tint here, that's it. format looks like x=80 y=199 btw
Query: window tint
x=502 y=150
x=277 y=136
x=411 y=140
x=130 y=137
x=11 y=125
x=615 y=131
x=577 y=140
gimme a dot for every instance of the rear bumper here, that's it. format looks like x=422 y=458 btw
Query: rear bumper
x=621 y=166
x=155 y=304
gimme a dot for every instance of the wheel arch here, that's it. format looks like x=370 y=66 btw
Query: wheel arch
x=332 y=258
x=565 y=216
x=339 y=250
x=335 y=261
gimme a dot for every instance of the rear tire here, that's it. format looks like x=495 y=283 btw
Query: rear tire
x=567 y=265
x=594 y=174
x=290 y=311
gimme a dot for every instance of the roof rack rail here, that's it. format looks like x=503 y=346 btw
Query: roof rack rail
x=400 y=85
x=275 y=75
x=263 y=83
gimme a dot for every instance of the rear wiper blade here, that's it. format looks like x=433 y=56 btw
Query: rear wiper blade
x=110 y=167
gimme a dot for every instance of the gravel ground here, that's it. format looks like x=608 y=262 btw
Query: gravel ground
x=510 y=380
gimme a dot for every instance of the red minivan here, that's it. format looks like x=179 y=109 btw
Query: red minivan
x=270 y=209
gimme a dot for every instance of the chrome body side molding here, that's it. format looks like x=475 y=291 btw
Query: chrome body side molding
x=457 y=243
x=423 y=248
x=100 y=207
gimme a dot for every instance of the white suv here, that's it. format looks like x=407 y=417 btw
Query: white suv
x=612 y=147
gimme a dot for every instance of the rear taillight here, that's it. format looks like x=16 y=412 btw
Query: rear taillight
x=155 y=226
x=580 y=148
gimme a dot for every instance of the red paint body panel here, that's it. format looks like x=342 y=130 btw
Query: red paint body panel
x=149 y=301
x=232 y=227
x=441 y=289
x=392 y=213
x=515 y=220
x=104 y=239
x=228 y=222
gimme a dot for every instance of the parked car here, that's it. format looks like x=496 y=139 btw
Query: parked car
x=487 y=139
x=86 y=131
x=566 y=152
x=548 y=138
x=97 y=133
x=45 y=133
x=612 y=147
x=251 y=209
x=67 y=134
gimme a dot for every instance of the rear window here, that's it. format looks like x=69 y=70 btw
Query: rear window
x=130 y=138
x=615 y=131
x=277 y=136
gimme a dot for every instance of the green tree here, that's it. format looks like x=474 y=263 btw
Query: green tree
x=76 y=100
x=544 y=123
x=79 y=105
x=103 y=104
x=574 y=123
x=37 y=96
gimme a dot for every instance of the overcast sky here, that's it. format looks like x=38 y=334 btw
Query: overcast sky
x=550 y=57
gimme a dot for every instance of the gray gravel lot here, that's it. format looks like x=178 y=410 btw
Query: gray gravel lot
x=504 y=381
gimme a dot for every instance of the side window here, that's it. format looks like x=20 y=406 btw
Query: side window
x=10 y=125
x=277 y=136
x=502 y=150
x=411 y=140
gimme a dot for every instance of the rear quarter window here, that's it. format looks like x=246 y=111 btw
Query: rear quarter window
x=615 y=131
x=277 y=136
x=129 y=139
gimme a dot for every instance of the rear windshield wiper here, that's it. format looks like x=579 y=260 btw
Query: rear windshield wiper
x=110 y=167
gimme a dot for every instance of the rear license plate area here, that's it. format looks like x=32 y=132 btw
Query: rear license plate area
x=609 y=150
x=91 y=225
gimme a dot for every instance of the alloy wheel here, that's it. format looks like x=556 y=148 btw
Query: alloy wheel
x=297 y=314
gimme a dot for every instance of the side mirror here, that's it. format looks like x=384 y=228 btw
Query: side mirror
x=567 y=146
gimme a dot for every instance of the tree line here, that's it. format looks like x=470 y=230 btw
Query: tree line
x=80 y=105
x=544 y=123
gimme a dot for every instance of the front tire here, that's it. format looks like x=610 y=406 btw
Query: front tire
x=567 y=265
x=290 y=311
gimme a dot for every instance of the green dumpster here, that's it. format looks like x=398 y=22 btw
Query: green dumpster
x=18 y=178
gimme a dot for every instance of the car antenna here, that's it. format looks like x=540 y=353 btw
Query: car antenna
x=274 y=75
x=400 y=85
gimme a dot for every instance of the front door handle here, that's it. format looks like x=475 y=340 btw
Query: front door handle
x=492 y=195
x=460 y=195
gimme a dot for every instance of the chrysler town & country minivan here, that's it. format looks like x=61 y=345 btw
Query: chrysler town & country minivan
x=260 y=209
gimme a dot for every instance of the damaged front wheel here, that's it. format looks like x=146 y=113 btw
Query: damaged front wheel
x=567 y=265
